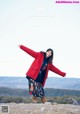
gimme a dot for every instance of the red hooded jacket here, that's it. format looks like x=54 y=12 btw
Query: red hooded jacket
x=37 y=63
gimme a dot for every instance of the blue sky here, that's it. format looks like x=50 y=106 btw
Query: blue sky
x=39 y=25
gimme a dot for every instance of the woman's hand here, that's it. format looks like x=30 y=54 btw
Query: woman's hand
x=64 y=74
x=19 y=46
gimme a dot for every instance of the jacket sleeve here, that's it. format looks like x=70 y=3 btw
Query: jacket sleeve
x=56 y=70
x=29 y=51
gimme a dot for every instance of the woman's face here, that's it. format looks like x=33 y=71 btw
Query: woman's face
x=48 y=54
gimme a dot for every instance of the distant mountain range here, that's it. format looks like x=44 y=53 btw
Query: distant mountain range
x=52 y=82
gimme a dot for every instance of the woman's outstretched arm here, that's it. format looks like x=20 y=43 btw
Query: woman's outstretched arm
x=56 y=70
x=29 y=51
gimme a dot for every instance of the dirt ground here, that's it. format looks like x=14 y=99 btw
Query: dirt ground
x=47 y=108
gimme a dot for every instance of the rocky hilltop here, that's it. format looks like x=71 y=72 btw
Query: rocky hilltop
x=47 y=108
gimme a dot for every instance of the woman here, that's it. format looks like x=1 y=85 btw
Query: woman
x=38 y=72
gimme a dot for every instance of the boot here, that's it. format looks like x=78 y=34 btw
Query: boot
x=34 y=99
x=43 y=99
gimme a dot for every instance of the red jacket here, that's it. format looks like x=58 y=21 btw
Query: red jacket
x=37 y=63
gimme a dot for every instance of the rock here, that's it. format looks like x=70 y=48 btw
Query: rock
x=48 y=103
x=42 y=109
x=74 y=102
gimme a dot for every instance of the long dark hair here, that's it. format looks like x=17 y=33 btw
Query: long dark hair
x=50 y=59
